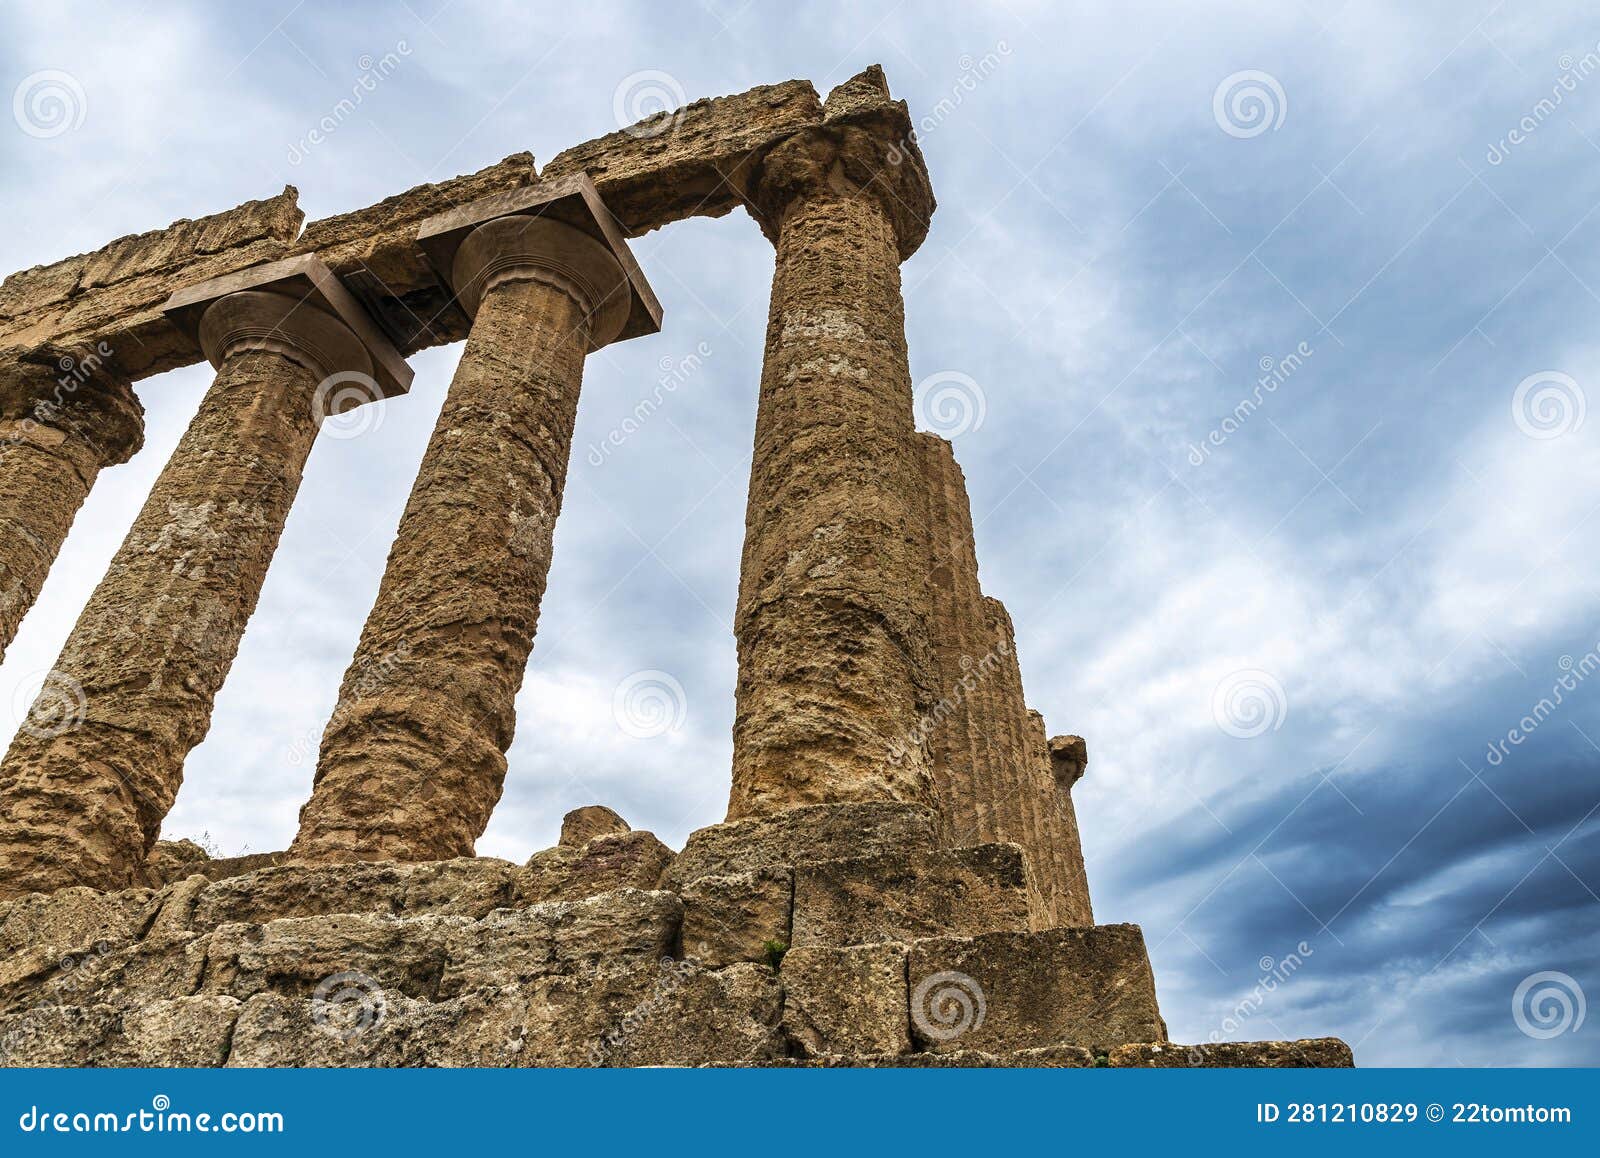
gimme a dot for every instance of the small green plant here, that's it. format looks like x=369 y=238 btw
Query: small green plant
x=774 y=951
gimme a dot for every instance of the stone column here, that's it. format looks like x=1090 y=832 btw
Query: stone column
x=413 y=758
x=64 y=418
x=835 y=662
x=95 y=767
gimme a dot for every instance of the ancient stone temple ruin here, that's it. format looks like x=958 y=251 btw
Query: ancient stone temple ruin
x=899 y=879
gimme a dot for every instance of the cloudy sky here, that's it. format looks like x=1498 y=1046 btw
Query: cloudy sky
x=1297 y=641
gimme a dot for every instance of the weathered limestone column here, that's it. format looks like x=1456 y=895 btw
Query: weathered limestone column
x=835 y=663
x=64 y=418
x=995 y=777
x=95 y=768
x=413 y=758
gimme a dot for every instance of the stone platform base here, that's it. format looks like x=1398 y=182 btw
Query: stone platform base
x=830 y=936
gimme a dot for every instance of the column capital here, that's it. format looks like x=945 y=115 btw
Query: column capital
x=298 y=308
x=559 y=233
x=49 y=394
x=864 y=146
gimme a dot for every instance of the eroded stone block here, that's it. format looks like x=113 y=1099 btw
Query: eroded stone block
x=1312 y=1053
x=626 y=860
x=1001 y=992
x=468 y=887
x=815 y=832
x=56 y=1036
x=582 y=825
x=846 y=1001
x=181 y=1031
x=743 y=917
x=897 y=897
x=702 y=1017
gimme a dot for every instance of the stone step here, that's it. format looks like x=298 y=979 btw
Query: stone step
x=908 y=896
x=998 y=992
x=1309 y=1053
x=756 y=915
x=994 y=993
x=814 y=832
x=1314 y=1053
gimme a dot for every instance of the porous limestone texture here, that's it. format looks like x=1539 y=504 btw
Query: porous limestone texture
x=413 y=758
x=64 y=418
x=835 y=663
x=88 y=780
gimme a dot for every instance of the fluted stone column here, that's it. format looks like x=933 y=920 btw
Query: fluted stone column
x=413 y=758
x=95 y=768
x=64 y=418
x=835 y=662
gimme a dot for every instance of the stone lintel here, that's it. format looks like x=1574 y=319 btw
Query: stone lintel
x=698 y=162
x=114 y=294
x=309 y=279
x=570 y=200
